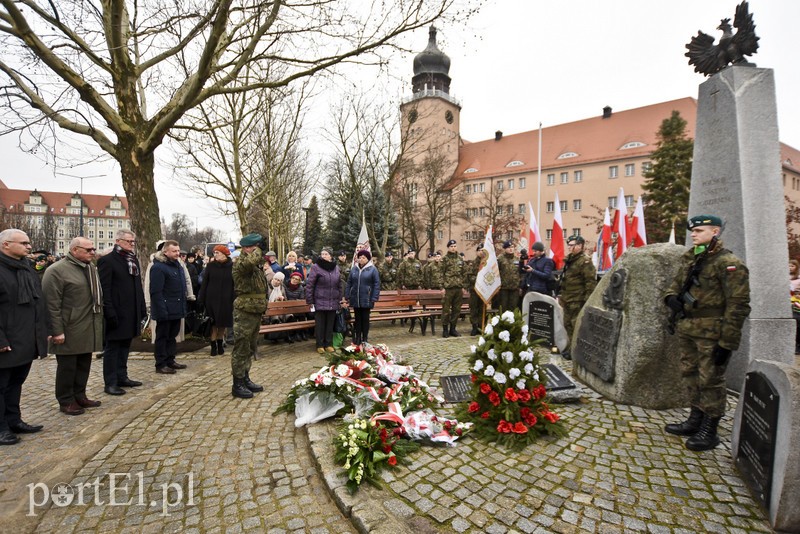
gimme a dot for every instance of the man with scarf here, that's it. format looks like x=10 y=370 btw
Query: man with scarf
x=23 y=330
x=75 y=306
x=123 y=309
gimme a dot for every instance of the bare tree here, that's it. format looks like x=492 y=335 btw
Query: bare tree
x=123 y=74
x=494 y=207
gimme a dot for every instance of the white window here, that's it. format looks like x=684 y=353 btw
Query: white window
x=567 y=155
x=646 y=167
x=632 y=144
x=76 y=203
x=564 y=177
x=551 y=179
x=500 y=185
x=576 y=231
x=90 y=222
x=521 y=209
x=563 y=204
x=576 y=205
x=630 y=169
x=101 y=234
x=482 y=187
x=61 y=221
x=482 y=211
x=510 y=209
x=578 y=176
x=120 y=223
x=470 y=170
x=613 y=171
x=101 y=222
x=101 y=246
x=468 y=189
x=551 y=207
x=629 y=200
x=440 y=234
x=549 y=234
x=91 y=234
x=612 y=202
x=522 y=183
x=61 y=232
x=511 y=184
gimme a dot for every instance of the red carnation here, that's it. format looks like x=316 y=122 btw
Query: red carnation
x=504 y=426
x=524 y=395
x=387 y=449
x=485 y=415
x=511 y=395
x=485 y=388
x=531 y=419
x=494 y=398
x=473 y=378
x=392 y=460
x=520 y=428
x=474 y=407
x=539 y=392
x=551 y=416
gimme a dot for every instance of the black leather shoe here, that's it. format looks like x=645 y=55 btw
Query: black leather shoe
x=8 y=438
x=166 y=370
x=128 y=383
x=114 y=390
x=24 y=428
x=176 y=365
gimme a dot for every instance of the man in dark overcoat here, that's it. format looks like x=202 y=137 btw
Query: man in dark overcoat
x=23 y=330
x=167 y=305
x=123 y=310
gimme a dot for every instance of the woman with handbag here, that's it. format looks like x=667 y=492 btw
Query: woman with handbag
x=363 y=290
x=216 y=296
x=324 y=292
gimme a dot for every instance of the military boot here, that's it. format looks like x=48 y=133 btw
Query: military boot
x=454 y=332
x=475 y=331
x=252 y=386
x=688 y=427
x=706 y=437
x=445 y=331
x=240 y=389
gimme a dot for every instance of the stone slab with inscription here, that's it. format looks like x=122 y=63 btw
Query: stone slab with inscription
x=456 y=388
x=543 y=304
x=753 y=429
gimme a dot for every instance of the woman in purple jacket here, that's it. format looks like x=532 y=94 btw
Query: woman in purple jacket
x=324 y=292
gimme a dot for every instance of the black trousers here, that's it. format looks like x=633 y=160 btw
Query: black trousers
x=360 y=325
x=166 y=348
x=115 y=361
x=72 y=375
x=323 y=327
x=11 y=380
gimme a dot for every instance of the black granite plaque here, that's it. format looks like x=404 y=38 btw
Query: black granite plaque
x=456 y=388
x=540 y=321
x=757 y=432
x=596 y=349
x=556 y=379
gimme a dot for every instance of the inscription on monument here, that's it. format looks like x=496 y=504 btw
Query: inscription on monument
x=540 y=321
x=556 y=379
x=757 y=434
x=456 y=388
x=596 y=349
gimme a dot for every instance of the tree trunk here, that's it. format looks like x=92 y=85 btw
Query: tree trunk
x=138 y=180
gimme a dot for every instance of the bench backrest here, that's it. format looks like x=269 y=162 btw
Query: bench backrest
x=286 y=307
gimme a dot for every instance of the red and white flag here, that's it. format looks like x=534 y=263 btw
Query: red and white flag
x=621 y=224
x=557 y=239
x=638 y=236
x=530 y=234
x=605 y=256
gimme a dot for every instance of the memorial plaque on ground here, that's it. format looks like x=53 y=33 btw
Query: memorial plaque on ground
x=556 y=379
x=759 y=425
x=596 y=349
x=456 y=388
x=540 y=321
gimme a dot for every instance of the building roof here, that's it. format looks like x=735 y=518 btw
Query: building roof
x=58 y=202
x=574 y=143
x=790 y=158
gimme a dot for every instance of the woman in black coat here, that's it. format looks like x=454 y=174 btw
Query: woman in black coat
x=216 y=295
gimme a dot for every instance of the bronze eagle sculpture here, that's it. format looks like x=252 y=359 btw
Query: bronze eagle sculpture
x=709 y=58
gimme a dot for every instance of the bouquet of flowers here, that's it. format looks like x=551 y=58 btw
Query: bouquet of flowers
x=508 y=388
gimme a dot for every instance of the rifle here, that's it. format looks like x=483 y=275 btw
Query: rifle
x=684 y=297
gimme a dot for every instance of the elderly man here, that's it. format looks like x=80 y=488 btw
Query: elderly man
x=75 y=305
x=123 y=309
x=168 y=293
x=23 y=330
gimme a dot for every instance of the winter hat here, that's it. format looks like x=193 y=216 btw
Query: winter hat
x=297 y=274
x=538 y=246
x=279 y=276
x=364 y=252
x=223 y=249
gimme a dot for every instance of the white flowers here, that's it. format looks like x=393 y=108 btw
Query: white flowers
x=343 y=370
x=505 y=336
x=536 y=375
x=492 y=355
x=473 y=349
x=327 y=381
x=481 y=341
x=528 y=368
x=495 y=320
x=500 y=378
x=521 y=384
x=524 y=330
x=488 y=330
x=508 y=317
x=526 y=356
x=489 y=370
x=478 y=365
x=508 y=356
x=514 y=373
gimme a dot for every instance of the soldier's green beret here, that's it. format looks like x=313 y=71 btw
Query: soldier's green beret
x=576 y=239
x=251 y=240
x=703 y=220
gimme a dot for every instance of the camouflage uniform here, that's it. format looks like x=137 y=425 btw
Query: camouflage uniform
x=388 y=275
x=409 y=274
x=452 y=275
x=508 y=297
x=250 y=285
x=577 y=283
x=344 y=273
x=436 y=274
x=723 y=303
x=476 y=304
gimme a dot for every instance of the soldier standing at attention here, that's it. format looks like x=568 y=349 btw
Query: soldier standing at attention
x=388 y=272
x=452 y=274
x=250 y=286
x=409 y=274
x=578 y=280
x=435 y=275
x=710 y=297
x=508 y=297
x=476 y=304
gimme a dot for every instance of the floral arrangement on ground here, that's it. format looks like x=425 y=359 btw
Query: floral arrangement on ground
x=388 y=410
x=508 y=386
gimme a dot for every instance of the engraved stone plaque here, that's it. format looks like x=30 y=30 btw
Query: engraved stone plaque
x=596 y=347
x=759 y=425
x=540 y=321
x=456 y=388
x=556 y=379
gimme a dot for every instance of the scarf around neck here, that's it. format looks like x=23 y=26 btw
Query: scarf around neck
x=130 y=257
x=94 y=282
x=27 y=287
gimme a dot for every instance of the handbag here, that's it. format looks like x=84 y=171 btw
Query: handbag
x=340 y=323
x=199 y=324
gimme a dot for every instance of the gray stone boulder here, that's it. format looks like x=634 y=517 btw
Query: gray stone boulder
x=622 y=349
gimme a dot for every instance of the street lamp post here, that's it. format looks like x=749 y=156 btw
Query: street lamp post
x=81 y=178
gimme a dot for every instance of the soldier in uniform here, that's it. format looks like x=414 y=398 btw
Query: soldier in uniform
x=250 y=286
x=452 y=275
x=710 y=298
x=409 y=274
x=476 y=305
x=578 y=280
x=435 y=274
x=508 y=296
x=344 y=269
x=388 y=272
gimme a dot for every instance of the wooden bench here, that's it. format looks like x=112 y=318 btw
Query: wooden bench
x=298 y=308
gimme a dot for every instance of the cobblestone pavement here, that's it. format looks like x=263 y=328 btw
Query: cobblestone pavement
x=228 y=465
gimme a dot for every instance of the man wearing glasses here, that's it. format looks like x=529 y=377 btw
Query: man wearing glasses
x=578 y=280
x=123 y=308
x=23 y=330
x=75 y=306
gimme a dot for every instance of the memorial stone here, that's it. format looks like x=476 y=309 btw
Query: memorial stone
x=541 y=321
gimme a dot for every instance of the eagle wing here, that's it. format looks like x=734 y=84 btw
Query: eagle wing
x=745 y=39
x=703 y=54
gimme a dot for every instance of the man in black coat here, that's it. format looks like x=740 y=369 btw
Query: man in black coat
x=23 y=330
x=123 y=310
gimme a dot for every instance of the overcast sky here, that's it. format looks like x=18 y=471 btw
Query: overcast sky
x=521 y=62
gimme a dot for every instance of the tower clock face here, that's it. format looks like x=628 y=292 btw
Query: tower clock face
x=412 y=115
x=448 y=116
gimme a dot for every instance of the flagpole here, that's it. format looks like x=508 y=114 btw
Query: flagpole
x=539 y=179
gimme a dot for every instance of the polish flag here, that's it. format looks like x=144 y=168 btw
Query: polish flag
x=557 y=239
x=621 y=224
x=605 y=254
x=638 y=233
x=531 y=234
